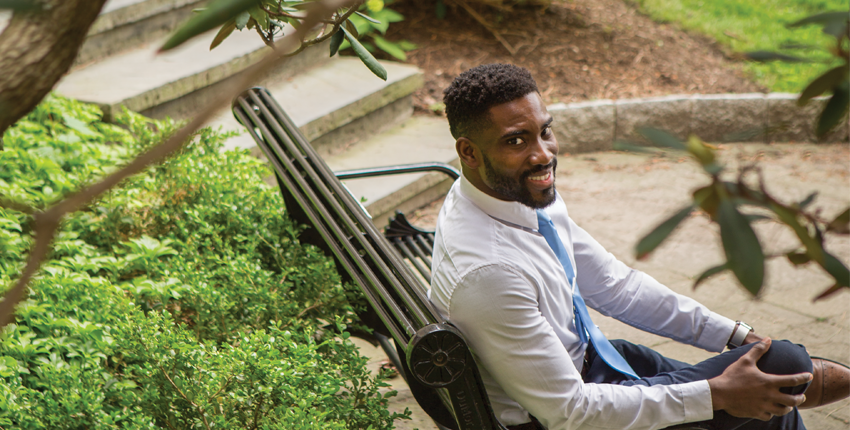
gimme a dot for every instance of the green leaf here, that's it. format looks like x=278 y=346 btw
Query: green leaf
x=216 y=13
x=834 y=111
x=841 y=223
x=709 y=273
x=827 y=81
x=765 y=56
x=20 y=5
x=336 y=41
x=440 y=10
x=708 y=199
x=367 y=58
x=743 y=250
x=223 y=32
x=380 y=26
x=260 y=17
x=350 y=27
x=389 y=47
x=798 y=258
x=704 y=154
x=823 y=19
x=660 y=233
x=836 y=268
x=661 y=138
x=241 y=20
x=388 y=15
x=367 y=17
x=808 y=200
x=829 y=291
x=835 y=29
x=78 y=126
x=407 y=45
x=751 y=218
x=790 y=217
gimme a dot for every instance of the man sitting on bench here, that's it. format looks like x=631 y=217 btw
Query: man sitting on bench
x=513 y=272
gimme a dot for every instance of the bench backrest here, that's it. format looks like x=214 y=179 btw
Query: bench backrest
x=435 y=358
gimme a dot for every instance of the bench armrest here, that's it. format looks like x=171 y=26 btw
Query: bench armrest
x=370 y=172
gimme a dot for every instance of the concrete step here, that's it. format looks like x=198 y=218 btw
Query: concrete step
x=125 y=24
x=338 y=103
x=177 y=83
x=419 y=139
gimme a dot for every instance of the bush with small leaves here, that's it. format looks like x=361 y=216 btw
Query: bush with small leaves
x=182 y=299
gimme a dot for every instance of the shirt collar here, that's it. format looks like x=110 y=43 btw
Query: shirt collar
x=512 y=212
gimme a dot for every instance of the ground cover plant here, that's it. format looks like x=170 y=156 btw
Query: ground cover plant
x=745 y=26
x=182 y=299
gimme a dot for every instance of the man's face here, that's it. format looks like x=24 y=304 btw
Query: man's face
x=519 y=153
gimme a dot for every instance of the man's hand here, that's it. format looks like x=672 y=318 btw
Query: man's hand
x=745 y=391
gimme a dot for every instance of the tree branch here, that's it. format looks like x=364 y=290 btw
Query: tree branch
x=185 y=397
x=336 y=24
x=267 y=40
x=482 y=21
x=280 y=13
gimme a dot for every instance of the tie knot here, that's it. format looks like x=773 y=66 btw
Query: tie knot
x=544 y=222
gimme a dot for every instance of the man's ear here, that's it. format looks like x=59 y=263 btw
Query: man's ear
x=468 y=152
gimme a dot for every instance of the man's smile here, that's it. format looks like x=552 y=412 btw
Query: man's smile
x=544 y=179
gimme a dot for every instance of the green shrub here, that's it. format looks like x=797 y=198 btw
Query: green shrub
x=183 y=299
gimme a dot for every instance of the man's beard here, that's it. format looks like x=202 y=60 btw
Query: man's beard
x=516 y=190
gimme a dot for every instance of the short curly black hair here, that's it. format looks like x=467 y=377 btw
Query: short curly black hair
x=475 y=91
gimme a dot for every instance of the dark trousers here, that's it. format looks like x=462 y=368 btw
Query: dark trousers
x=783 y=358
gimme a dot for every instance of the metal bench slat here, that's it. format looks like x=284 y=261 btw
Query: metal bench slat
x=411 y=296
x=341 y=249
x=414 y=245
x=309 y=169
x=405 y=249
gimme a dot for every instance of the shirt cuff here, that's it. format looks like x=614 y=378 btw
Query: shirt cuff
x=716 y=332
x=697 y=401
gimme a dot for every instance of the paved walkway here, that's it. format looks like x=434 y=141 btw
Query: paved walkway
x=619 y=197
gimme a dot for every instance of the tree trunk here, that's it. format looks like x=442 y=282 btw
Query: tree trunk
x=36 y=49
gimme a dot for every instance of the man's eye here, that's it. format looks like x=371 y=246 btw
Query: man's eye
x=514 y=141
x=546 y=131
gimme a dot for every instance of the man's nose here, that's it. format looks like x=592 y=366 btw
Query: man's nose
x=542 y=152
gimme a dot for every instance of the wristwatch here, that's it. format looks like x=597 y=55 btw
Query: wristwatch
x=738 y=335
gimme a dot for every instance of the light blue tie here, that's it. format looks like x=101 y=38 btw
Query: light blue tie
x=584 y=325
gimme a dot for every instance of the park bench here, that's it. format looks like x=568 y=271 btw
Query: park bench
x=391 y=268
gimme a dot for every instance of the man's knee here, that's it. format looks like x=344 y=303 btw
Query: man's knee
x=786 y=358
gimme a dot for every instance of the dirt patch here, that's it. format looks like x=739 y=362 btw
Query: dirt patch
x=577 y=50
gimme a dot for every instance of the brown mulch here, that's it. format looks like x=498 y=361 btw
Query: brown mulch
x=577 y=50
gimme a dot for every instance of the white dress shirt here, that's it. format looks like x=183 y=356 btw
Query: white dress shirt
x=497 y=280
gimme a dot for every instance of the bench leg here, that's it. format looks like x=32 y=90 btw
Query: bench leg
x=391 y=352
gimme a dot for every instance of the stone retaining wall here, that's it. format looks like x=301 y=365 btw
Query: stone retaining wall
x=754 y=117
